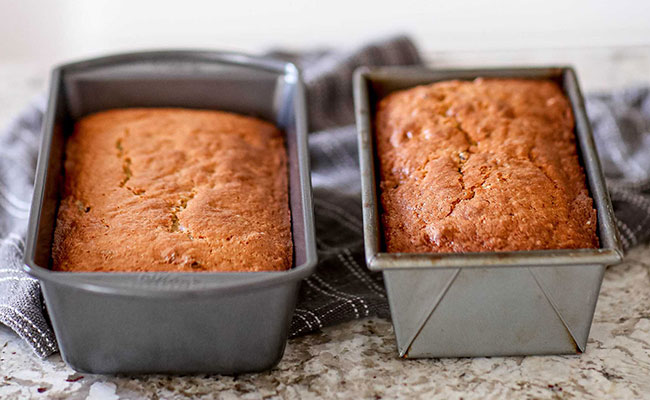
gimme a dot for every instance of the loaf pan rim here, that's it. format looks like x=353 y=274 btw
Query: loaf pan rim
x=253 y=279
x=378 y=260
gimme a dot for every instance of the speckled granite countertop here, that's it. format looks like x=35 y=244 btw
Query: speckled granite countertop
x=359 y=359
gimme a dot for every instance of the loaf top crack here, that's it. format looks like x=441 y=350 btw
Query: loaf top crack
x=173 y=190
x=483 y=165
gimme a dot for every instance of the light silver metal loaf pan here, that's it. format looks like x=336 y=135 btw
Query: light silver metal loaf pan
x=172 y=322
x=485 y=304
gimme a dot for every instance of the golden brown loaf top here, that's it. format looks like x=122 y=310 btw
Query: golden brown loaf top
x=483 y=165
x=173 y=190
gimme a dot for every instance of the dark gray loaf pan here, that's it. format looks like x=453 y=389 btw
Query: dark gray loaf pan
x=492 y=303
x=172 y=322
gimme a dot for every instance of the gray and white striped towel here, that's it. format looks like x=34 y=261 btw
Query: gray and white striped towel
x=621 y=123
x=342 y=288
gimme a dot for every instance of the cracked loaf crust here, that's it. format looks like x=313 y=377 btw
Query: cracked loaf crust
x=485 y=165
x=173 y=190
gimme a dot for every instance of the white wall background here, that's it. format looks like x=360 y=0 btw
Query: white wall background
x=51 y=31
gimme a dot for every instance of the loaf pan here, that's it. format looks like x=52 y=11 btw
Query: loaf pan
x=493 y=303
x=172 y=322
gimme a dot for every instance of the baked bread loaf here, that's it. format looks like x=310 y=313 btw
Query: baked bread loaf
x=173 y=190
x=483 y=165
